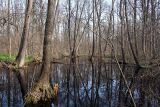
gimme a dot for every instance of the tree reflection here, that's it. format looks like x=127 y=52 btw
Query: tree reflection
x=94 y=84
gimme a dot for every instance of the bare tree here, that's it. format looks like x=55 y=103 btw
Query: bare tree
x=8 y=30
x=93 y=43
x=69 y=26
x=134 y=29
x=153 y=29
x=121 y=14
x=20 y=59
x=129 y=37
x=80 y=27
x=98 y=13
x=43 y=84
x=145 y=4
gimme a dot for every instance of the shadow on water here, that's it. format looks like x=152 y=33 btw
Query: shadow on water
x=89 y=85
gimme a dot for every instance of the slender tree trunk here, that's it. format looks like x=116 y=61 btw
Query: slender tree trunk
x=122 y=32
x=145 y=7
x=143 y=25
x=129 y=38
x=93 y=44
x=109 y=23
x=134 y=29
x=8 y=30
x=69 y=26
x=73 y=54
x=20 y=59
x=98 y=11
x=153 y=27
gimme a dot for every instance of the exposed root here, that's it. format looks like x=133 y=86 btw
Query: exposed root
x=40 y=93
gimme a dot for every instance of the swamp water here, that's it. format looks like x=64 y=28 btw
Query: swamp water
x=89 y=85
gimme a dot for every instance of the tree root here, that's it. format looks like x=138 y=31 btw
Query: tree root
x=41 y=94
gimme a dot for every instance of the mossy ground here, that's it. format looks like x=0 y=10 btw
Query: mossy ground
x=8 y=58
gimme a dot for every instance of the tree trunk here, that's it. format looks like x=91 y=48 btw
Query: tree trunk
x=42 y=92
x=93 y=45
x=8 y=29
x=23 y=45
x=20 y=73
x=153 y=29
x=98 y=13
x=129 y=38
x=122 y=32
x=69 y=26
x=134 y=29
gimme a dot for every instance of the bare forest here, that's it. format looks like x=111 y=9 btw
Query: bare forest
x=43 y=32
x=85 y=28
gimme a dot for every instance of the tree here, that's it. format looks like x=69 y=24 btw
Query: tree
x=153 y=29
x=145 y=4
x=98 y=10
x=8 y=29
x=134 y=28
x=121 y=14
x=23 y=45
x=69 y=25
x=93 y=45
x=42 y=87
x=128 y=34
x=20 y=59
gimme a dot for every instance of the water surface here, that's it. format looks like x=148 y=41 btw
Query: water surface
x=89 y=85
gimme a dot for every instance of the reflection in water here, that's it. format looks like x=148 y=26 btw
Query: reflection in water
x=10 y=92
x=89 y=85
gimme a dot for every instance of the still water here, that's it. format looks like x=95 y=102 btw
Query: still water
x=89 y=85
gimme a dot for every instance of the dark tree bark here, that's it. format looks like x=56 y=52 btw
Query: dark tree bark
x=23 y=45
x=134 y=29
x=42 y=88
x=122 y=32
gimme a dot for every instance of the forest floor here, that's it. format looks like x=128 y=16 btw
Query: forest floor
x=65 y=59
